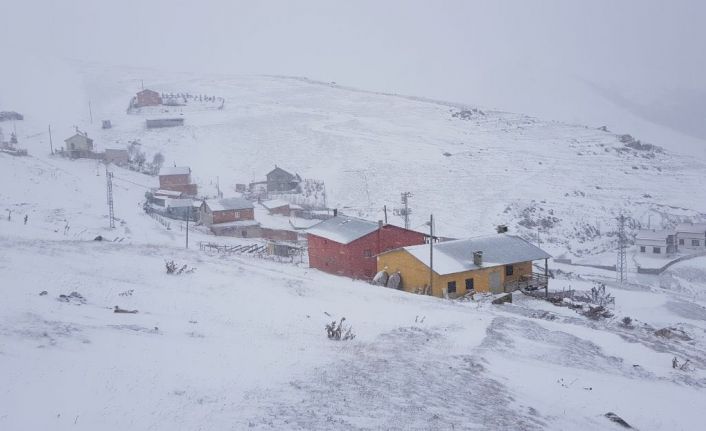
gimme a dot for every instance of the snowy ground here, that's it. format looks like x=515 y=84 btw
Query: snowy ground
x=240 y=342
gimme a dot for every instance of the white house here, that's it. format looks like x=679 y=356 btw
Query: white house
x=651 y=241
x=79 y=144
x=691 y=236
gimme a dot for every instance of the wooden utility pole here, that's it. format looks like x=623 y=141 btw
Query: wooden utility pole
x=90 y=111
x=431 y=254
x=51 y=144
x=188 y=216
x=384 y=208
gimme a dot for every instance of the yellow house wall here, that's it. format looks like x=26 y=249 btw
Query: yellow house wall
x=415 y=275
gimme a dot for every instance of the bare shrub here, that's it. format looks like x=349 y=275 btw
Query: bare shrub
x=338 y=332
x=174 y=269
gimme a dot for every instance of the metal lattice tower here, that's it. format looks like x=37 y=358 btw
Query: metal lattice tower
x=109 y=191
x=621 y=267
x=405 y=202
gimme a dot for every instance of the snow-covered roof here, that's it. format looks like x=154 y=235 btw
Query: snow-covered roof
x=239 y=223
x=174 y=170
x=697 y=228
x=652 y=234
x=179 y=203
x=167 y=193
x=275 y=203
x=229 y=204
x=343 y=229
x=303 y=223
x=457 y=256
x=79 y=136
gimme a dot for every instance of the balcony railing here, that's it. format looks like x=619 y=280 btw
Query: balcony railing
x=532 y=281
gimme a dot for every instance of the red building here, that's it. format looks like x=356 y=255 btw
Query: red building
x=147 y=98
x=178 y=179
x=231 y=217
x=347 y=246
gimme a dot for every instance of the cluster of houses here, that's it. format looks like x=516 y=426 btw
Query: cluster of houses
x=685 y=237
x=419 y=263
x=362 y=249
x=176 y=197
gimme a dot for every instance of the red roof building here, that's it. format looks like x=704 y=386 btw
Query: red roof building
x=147 y=98
x=348 y=246
x=178 y=179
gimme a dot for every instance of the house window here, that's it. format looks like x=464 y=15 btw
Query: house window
x=469 y=284
x=695 y=242
x=681 y=242
x=656 y=250
x=237 y=214
x=642 y=249
x=508 y=270
x=367 y=253
x=451 y=287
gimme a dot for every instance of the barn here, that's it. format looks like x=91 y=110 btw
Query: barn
x=178 y=179
x=348 y=246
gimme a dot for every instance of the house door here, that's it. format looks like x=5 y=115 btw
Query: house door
x=494 y=279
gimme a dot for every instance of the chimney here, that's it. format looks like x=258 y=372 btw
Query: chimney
x=379 y=224
x=335 y=212
x=478 y=258
x=501 y=228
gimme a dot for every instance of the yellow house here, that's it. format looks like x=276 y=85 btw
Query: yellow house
x=492 y=263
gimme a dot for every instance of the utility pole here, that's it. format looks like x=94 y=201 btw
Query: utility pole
x=431 y=253
x=539 y=241
x=109 y=189
x=188 y=216
x=405 y=202
x=90 y=111
x=51 y=144
x=384 y=208
x=621 y=268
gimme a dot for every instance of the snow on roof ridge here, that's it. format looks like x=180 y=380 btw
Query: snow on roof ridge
x=174 y=170
x=457 y=255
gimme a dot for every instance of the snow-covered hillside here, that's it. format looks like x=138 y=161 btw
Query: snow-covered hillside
x=240 y=342
x=473 y=171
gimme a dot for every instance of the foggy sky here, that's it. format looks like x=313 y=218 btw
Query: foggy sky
x=597 y=62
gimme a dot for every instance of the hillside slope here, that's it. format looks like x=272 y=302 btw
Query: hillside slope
x=473 y=171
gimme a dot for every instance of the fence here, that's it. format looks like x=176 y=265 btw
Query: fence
x=271 y=251
x=161 y=220
x=657 y=271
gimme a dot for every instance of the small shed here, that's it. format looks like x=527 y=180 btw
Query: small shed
x=164 y=122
